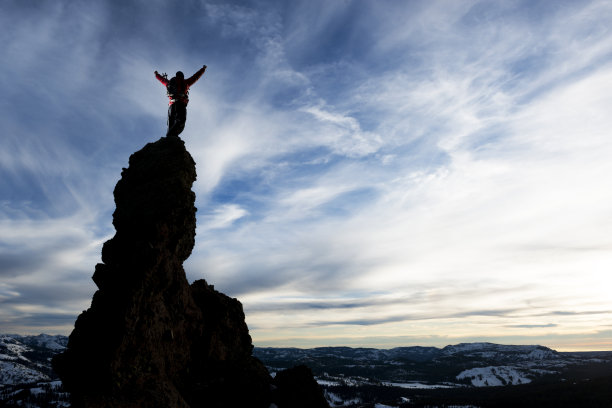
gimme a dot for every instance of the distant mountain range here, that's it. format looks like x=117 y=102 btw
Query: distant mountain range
x=394 y=377
x=26 y=376
x=27 y=359
x=466 y=364
x=463 y=375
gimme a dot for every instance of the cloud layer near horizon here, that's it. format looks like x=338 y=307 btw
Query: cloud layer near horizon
x=366 y=171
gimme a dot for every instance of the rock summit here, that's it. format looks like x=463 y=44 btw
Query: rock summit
x=151 y=339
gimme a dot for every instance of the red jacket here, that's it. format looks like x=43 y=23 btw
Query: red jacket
x=182 y=84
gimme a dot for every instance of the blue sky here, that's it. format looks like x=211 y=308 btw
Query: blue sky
x=370 y=173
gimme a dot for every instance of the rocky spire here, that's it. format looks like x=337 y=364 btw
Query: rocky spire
x=149 y=338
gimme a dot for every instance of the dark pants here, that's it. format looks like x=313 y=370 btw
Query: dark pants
x=177 y=115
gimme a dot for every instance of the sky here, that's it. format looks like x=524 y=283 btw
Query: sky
x=370 y=173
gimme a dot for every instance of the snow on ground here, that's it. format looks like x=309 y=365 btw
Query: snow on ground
x=13 y=347
x=355 y=382
x=17 y=349
x=337 y=381
x=461 y=406
x=336 y=401
x=328 y=383
x=7 y=357
x=15 y=373
x=49 y=342
x=417 y=385
x=494 y=376
x=36 y=391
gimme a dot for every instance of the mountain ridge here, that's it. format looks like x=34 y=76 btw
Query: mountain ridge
x=342 y=374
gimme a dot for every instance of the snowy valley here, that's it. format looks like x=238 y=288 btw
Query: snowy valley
x=474 y=374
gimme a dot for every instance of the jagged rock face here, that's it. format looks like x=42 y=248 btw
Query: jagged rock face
x=149 y=338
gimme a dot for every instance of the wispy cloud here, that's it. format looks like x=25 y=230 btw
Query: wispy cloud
x=485 y=130
x=223 y=216
x=531 y=326
x=410 y=169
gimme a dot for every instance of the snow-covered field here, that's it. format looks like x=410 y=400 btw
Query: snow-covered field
x=494 y=376
x=336 y=401
x=418 y=386
x=16 y=373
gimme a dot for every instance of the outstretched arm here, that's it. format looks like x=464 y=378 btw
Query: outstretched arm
x=195 y=76
x=161 y=79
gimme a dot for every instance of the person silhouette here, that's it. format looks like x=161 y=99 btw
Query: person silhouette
x=177 y=90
